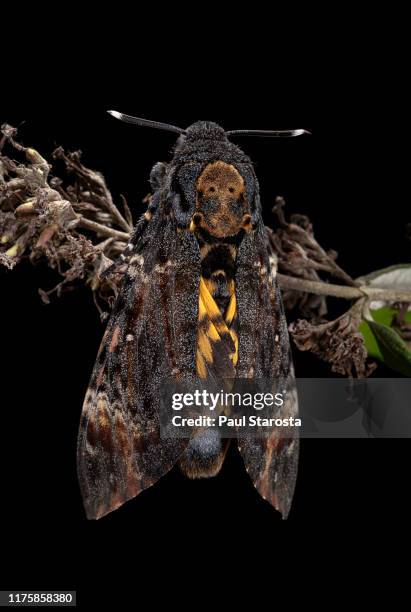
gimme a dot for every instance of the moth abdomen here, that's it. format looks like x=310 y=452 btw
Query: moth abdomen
x=204 y=455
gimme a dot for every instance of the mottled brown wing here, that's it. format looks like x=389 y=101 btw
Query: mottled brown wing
x=150 y=336
x=264 y=353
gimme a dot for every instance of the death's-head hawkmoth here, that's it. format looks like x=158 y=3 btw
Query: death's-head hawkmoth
x=199 y=299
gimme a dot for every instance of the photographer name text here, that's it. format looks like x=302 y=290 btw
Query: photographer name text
x=243 y=421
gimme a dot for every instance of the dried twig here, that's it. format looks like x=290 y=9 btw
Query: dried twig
x=102 y=230
x=340 y=291
x=298 y=250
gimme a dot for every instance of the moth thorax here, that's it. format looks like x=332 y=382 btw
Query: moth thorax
x=222 y=208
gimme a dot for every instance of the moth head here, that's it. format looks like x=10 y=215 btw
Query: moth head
x=222 y=206
x=205 y=130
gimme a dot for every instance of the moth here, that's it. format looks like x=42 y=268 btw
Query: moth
x=199 y=300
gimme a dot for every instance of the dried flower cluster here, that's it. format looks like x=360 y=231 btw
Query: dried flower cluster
x=73 y=224
x=337 y=342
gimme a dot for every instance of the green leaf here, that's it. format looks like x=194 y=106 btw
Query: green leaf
x=395 y=278
x=393 y=350
x=381 y=340
x=370 y=341
x=385 y=316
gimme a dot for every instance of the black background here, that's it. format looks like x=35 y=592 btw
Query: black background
x=349 y=179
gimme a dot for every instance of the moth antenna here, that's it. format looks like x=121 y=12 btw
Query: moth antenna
x=146 y=122
x=269 y=133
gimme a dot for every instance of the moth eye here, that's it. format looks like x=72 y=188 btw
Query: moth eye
x=212 y=189
x=231 y=189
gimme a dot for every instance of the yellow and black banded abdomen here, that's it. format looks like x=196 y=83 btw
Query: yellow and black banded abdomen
x=217 y=356
x=217 y=340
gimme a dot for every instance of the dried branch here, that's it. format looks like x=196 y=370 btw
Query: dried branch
x=299 y=252
x=339 y=291
x=103 y=230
